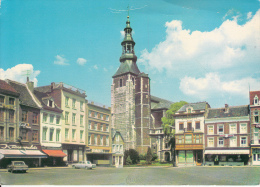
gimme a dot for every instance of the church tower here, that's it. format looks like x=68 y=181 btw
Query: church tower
x=130 y=98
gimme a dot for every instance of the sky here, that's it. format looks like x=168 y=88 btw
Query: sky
x=192 y=50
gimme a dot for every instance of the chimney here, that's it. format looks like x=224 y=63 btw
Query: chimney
x=226 y=108
x=30 y=85
x=52 y=86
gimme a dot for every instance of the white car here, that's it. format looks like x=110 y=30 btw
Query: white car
x=84 y=164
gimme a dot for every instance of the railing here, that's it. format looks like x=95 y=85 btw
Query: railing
x=61 y=84
x=189 y=129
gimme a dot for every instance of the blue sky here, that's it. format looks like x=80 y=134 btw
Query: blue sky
x=193 y=50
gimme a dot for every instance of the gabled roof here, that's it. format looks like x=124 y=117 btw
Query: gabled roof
x=6 y=88
x=195 y=106
x=43 y=97
x=233 y=111
x=158 y=103
x=43 y=89
x=26 y=97
x=252 y=96
x=127 y=67
x=114 y=135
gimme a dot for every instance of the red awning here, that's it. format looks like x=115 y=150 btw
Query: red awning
x=54 y=153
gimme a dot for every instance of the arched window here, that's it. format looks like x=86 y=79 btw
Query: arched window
x=256 y=100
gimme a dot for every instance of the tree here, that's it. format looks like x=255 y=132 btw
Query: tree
x=149 y=156
x=128 y=161
x=168 y=124
x=134 y=155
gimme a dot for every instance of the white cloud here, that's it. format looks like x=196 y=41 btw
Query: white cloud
x=81 y=61
x=95 y=67
x=18 y=73
x=227 y=47
x=249 y=15
x=122 y=33
x=105 y=69
x=60 y=60
x=212 y=84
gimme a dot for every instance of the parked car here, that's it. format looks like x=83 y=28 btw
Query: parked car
x=84 y=164
x=17 y=166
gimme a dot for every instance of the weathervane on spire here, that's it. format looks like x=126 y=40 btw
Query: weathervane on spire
x=128 y=10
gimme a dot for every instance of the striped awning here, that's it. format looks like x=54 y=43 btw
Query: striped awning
x=14 y=153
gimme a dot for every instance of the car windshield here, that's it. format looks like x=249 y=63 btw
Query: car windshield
x=19 y=163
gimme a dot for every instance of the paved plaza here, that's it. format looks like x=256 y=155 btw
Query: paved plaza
x=136 y=176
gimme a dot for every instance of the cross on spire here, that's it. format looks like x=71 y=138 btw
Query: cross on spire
x=128 y=9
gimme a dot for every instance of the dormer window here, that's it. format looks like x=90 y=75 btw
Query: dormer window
x=50 y=103
x=256 y=100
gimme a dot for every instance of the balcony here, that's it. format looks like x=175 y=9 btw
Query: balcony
x=191 y=129
x=156 y=132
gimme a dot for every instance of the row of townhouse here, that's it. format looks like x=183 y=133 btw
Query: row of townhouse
x=53 y=125
x=218 y=136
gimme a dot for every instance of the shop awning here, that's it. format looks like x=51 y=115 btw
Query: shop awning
x=54 y=153
x=223 y=152
x=10 y=153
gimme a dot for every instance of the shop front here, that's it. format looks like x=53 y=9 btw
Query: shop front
x=100 y=157
x=30 y=155
x=74 y=153
x=226 y=157
x=55 y=158
x=189 y=157
x=255 y=156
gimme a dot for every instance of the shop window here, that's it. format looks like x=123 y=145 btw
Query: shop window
x=35 y=136
x=210 y=129
x=181 y=126
x=11 y=116
x=24 y=116
x=35 y=118
x=11 y=101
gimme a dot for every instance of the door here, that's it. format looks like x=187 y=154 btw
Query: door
x=199 y=158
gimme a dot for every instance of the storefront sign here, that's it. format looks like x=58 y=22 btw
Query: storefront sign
x=18 y=147
x=97 y=150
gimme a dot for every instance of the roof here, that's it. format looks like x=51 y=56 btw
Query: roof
x=158 y=103
x=127 y=66
x=26 y=97
x=195 y=106
x=6 y=88
x=43 y=88
x=42 y=97
x=233 y=111
x=252 y=95
x=117 y=132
